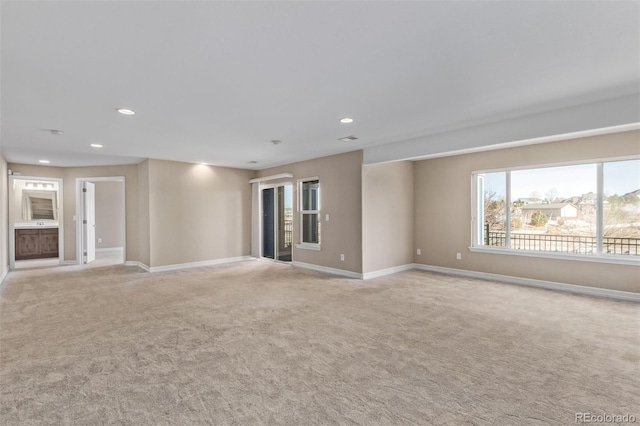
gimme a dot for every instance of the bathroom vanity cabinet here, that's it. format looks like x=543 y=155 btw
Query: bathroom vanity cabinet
x=36 y=243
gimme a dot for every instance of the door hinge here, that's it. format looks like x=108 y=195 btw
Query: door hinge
x=84 y=189
x=85 y=253
x=84 y=222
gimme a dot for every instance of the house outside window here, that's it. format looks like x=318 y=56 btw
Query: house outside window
x=582 y=210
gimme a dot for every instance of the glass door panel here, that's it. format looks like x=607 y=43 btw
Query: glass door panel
x=284 y=223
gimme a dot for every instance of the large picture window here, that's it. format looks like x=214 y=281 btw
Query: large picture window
x=310 y=212
x=583 y=209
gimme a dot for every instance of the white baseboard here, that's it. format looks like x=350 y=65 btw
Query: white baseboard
x=334 y=271
x=387 y=271
x=109 y=249
x=550 y=285
x=178 y=266
x=69 y=262
x=4 y=275
x=137 y=264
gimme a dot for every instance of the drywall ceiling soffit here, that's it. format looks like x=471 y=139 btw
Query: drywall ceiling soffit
x=215 y=82
x=610 y=116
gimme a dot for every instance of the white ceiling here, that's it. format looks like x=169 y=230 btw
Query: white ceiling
x=216 y=81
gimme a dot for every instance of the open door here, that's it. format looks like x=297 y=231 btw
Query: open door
x=89 y=223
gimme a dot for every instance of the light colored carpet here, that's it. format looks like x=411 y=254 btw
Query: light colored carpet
x=265 y=343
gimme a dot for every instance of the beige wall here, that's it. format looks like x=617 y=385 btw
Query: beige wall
x=37 y=171
x=69 y=175
x=341 y=198
x=110 y=217
x=4 y=217
x=144 y=243
x=198 y=213
x=175 y=212
x=442 y=197
x=387 y=215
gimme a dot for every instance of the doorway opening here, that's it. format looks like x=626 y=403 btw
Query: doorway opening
x=277 y=222
x=100 y=221
x=36 y=222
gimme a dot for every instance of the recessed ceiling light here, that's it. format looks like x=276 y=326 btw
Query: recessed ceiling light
x=276 y=141
x=126 y=111
x=348 y=138
x=96 y=145
x=203 y=164
x=253 y=162
x=44 y=161
x=346 y=120
x=56 y=132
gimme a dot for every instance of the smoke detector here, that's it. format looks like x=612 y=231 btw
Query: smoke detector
x=276 y=141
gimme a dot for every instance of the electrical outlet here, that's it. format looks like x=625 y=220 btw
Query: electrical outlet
x=326 y=217
x=418 y=252
x=459 y=256
x=99 y=240
x=342 y=257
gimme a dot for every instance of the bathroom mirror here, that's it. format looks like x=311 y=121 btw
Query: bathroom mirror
x=39 y=205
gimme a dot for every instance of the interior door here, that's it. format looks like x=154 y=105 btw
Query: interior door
x=89 y=196
x=268 y=223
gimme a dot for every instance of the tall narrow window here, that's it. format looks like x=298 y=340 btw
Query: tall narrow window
x=310 y=211
x=621 y=208
x=493 y=209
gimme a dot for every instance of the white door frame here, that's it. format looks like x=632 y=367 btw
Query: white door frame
x=12 y=232
x=256 y=210
x=89 y=222
x=80 y=214
x=262 y=186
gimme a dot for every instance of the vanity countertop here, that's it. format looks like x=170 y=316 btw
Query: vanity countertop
x=29 y=225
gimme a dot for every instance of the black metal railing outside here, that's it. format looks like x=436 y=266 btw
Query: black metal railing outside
x=564 y=243
x=288 y=233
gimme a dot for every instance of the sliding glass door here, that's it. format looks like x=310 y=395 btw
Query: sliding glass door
x=277 y=222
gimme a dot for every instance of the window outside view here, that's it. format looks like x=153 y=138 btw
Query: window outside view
x=555 y=209
x=310 y=213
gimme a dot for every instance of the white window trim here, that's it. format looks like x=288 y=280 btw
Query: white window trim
x=308 y=246
x=302 y=245
x=605 y=258
x=599 y=257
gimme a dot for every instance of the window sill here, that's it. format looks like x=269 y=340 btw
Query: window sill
x=619 y=260
x=308 y=246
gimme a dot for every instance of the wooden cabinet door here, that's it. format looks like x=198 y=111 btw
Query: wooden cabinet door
x=27 y=243
x=36 y=243
x=49 y=242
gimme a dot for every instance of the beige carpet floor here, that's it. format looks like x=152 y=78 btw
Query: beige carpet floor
x=265 y=343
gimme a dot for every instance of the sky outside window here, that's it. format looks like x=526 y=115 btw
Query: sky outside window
x=554 y=182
